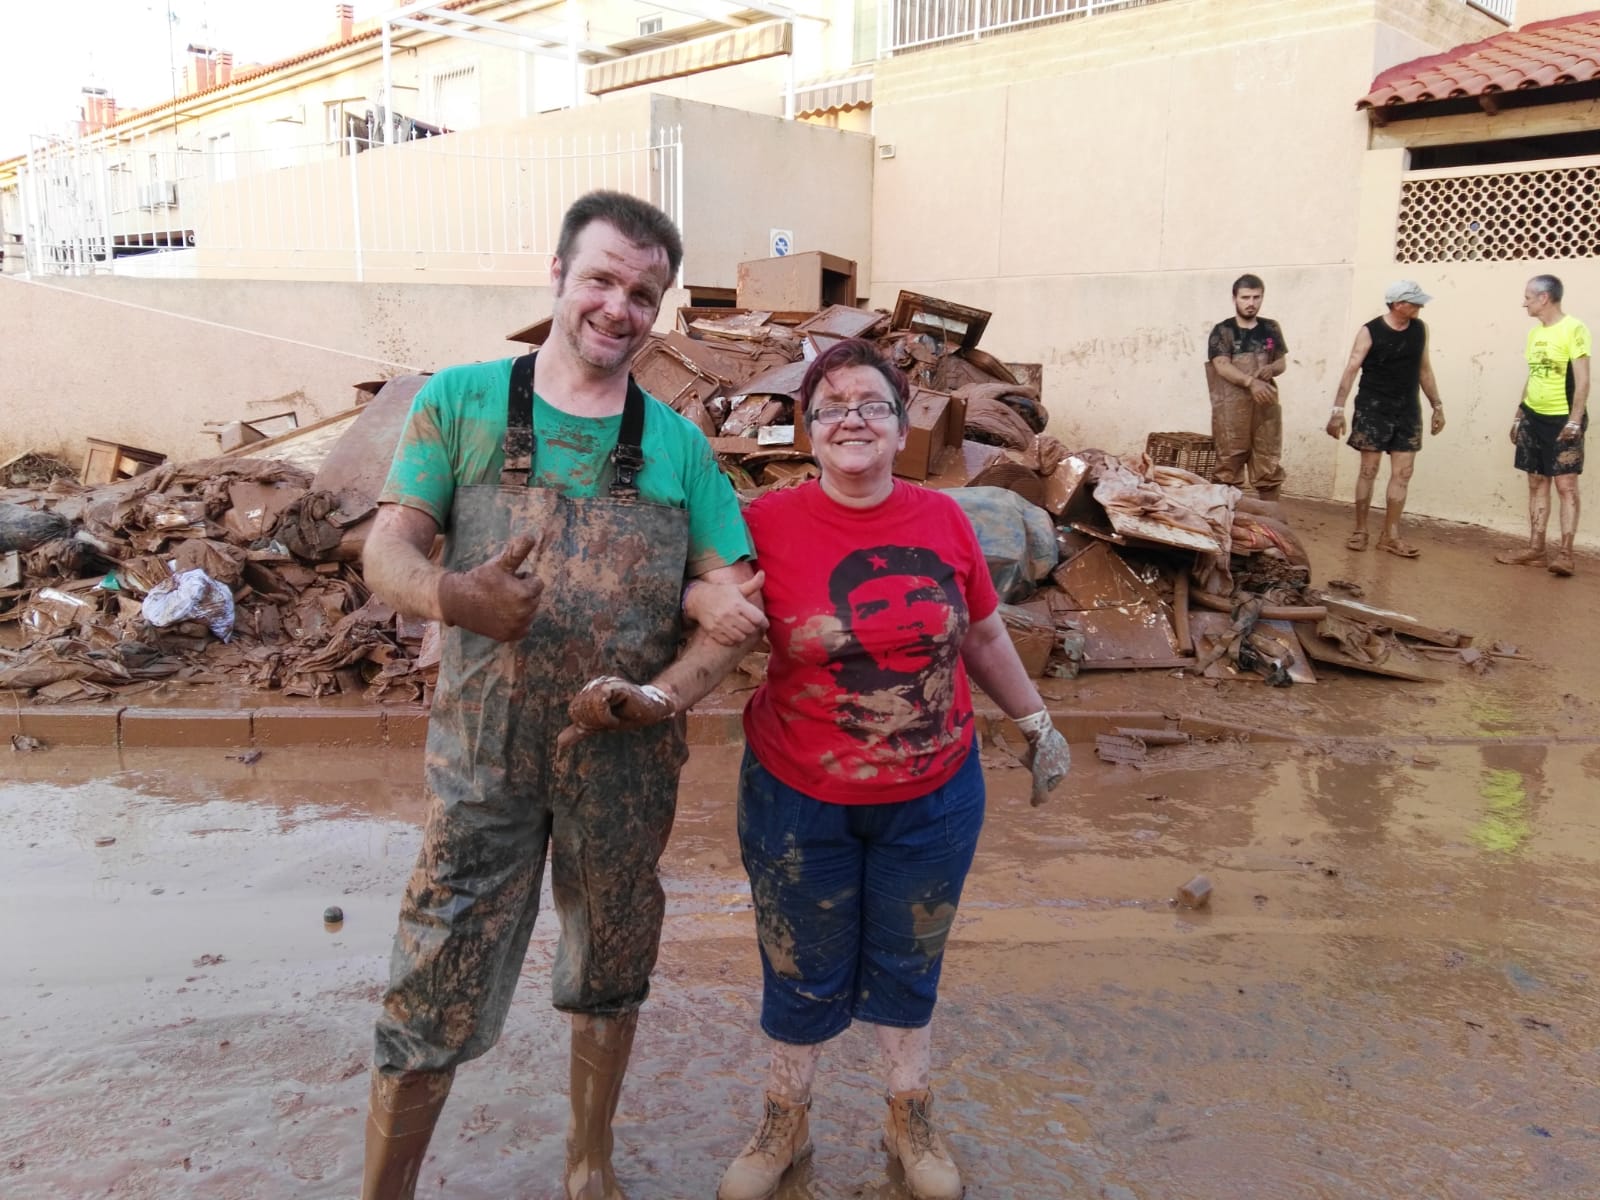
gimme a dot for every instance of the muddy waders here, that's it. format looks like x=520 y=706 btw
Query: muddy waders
x=1246 y=433
x=501 y=800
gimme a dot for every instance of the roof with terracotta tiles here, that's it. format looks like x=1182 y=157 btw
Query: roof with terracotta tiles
x=1541 y=55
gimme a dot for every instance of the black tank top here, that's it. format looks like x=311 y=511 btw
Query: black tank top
x=1393 y=366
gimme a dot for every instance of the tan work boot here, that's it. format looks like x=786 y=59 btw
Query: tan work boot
x=1561 y=561
x=782 y=1141
x=601 y=1047
x=401 y=1114
x=1531 y=555
x=910 y=1135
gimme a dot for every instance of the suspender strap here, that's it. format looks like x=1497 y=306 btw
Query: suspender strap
x=627 y=459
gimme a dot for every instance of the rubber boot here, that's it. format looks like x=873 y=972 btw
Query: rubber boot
x=600 y=1050
x=911 y=1136
x=1531 y=555
x=1561 y=561
x=1269 y=494
x=401 y=1114
x=782 y=1141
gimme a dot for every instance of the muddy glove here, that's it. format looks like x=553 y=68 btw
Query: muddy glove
x=610 y=703
x=1048 y=756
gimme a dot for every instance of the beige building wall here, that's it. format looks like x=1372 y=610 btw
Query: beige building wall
x=169 y=355
x=1529 y=11
x=746 y=174
x=1477 y=331
x=1099 y=183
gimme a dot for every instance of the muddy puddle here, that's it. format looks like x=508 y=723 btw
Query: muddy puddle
x=1390 y=994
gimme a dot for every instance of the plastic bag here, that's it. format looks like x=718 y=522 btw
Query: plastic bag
x=191 y=596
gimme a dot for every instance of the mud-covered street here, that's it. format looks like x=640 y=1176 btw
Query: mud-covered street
x=1390 y=995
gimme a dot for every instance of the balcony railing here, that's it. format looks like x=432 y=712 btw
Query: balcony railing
x=910 y=24
x=1506 y=10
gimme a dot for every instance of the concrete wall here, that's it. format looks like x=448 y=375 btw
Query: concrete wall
x=1529 y=11
x=147 y=362
x=746 y=174
x=483 y=205
x=1099 y=183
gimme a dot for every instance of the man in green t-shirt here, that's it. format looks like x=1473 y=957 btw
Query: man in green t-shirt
x=1551 y=422
x=576 y=511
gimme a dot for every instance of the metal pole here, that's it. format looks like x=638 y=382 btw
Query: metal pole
x=788 y=78
x=355 y=206
x=677 y=184
x=572 y=53
x=30 y=232
x=388 y=88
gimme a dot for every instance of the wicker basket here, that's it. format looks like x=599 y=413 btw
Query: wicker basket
x=1194 y=452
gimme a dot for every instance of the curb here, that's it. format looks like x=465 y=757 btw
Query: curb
x=405 y=727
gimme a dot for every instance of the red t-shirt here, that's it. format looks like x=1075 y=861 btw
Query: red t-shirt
x=866 y=698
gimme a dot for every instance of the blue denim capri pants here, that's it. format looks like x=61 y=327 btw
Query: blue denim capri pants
x=854 y=902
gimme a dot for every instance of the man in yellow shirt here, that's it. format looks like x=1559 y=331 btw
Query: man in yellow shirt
x=1551 y=422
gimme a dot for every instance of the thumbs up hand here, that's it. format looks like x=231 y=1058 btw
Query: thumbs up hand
x=495 y=599
x=730 y=613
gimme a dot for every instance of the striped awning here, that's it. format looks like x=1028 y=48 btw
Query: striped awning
x=742 y=45
x=839 y=94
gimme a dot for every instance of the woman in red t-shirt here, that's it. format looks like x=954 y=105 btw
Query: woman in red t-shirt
x=861 y=794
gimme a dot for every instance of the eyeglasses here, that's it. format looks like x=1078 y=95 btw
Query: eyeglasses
x=872 y=410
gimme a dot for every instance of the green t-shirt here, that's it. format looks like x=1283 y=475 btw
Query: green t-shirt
x=1551 y=349
x=455 y=436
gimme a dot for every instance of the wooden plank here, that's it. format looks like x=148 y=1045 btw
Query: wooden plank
x=1150 y=530
x=1180 y=612
x=1319 y=649
x=1577 y=116
x=1135 y=664
x=1342 y=606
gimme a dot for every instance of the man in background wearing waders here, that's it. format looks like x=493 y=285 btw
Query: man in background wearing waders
x=1391 y=356
x=1244 y=357
x=574 y=508
x=1550 y=423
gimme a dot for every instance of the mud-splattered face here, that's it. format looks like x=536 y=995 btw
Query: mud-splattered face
x=1247 y=303
x=607 y=296
x=899 y=620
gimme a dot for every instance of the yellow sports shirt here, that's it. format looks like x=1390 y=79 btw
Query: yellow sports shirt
x=1551 y=349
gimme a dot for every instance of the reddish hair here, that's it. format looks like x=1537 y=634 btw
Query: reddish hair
x=854 y=352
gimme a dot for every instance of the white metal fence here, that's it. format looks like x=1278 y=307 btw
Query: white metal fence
x=910 y=24
x=474 y=202
x=1506 y=10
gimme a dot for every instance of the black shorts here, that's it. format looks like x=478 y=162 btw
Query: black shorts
x=1539 y=448
x=1379 y=424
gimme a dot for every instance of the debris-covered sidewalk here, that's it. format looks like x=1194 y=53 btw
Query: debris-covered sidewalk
x=224 y=570
x=246 y=569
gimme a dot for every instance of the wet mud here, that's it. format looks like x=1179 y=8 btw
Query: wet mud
x=1389 y=994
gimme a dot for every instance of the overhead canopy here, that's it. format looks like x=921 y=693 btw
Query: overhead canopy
x=746 y=44
x=1547 y=56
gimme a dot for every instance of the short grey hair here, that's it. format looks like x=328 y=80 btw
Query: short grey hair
x=1549 y=285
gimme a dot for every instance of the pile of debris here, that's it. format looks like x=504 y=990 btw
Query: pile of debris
x=1106 y=563
x=229 y=570
x=736 y=374
x=244 y=570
